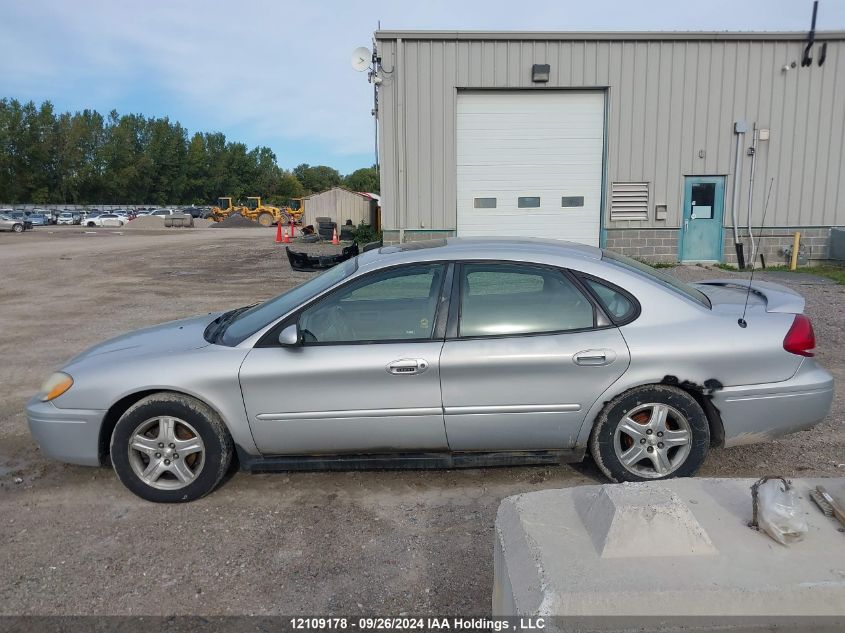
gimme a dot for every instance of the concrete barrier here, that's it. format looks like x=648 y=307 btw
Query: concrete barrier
x=676 y=549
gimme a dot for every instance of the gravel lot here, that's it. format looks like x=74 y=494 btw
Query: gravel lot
x=76 y=542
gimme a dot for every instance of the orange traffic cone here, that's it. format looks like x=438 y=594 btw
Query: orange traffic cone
x=286 y=239
x=279 y=233
x=335 y=241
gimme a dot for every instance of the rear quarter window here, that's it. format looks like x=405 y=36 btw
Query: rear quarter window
x=665 y=280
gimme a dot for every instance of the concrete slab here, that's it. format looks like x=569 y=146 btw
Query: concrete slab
x=675 y=548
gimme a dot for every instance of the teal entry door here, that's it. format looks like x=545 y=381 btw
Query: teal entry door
x=701 y=226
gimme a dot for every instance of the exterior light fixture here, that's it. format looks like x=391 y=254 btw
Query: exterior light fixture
x=540 y=73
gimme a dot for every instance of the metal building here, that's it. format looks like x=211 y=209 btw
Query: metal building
x=640 y=142
x=341 y=205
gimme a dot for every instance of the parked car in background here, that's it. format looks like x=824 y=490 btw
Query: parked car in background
x=106 y=219
x=8 y=223
x=197 y=212
x=20 y=215
x=164 y=212
x=39 y=219
x=452 y=352
x=66 y=218
x=90 y=217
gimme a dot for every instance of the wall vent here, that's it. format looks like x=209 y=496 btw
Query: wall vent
x=629 y=201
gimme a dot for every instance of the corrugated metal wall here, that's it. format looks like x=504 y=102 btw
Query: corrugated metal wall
x=668 y=102
x=338 y=204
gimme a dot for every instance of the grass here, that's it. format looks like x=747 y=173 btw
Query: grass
x=657 y=264
x=836 y=273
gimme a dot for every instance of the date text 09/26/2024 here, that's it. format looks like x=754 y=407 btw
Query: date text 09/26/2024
x=410 y=623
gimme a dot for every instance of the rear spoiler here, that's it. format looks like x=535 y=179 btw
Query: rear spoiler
x=778 y=298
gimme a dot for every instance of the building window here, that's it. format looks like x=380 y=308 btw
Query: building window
x=528 y=202
x=572 y=201
x=484 y=203
x=629 y=201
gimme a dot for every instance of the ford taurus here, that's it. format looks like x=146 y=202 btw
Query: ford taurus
x=445 y=354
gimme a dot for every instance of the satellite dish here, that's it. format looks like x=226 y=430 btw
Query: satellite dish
x=361 y=57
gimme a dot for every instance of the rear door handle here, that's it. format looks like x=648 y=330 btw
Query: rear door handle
x=595 y=357
x=407 y=366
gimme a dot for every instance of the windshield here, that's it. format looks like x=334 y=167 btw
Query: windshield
x=662 y=278
x=250 y=321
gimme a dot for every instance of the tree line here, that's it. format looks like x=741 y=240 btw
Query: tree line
x=87 y=158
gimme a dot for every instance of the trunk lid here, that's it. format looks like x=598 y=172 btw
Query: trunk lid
x=728 y=295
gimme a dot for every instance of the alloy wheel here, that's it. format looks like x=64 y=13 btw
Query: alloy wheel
x=166 y=453
x=653 y=440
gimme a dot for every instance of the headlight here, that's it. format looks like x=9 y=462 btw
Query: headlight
x=55 y=386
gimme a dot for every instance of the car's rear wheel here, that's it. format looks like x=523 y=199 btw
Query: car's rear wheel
x=18 y=228
x=170 y=448
x=650 y=432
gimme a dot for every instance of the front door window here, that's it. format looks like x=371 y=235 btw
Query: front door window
x=399 y=304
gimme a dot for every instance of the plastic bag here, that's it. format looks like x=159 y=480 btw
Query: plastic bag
x=778 y=512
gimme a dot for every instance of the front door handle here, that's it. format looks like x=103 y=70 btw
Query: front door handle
x=595 y=357
x=407 y=366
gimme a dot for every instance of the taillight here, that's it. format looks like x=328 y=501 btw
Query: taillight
x=800 y=339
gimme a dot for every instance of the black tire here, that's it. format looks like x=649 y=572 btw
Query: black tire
x=17 y=228
x=683 y=415
x=192 y=414
x=91 y=225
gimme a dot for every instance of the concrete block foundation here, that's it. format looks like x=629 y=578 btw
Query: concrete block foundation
x=677 y=549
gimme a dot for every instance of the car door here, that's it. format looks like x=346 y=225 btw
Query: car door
x=366 y=376
x=527 y=353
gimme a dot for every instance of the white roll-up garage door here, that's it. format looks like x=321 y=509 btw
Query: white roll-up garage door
x=530 y=164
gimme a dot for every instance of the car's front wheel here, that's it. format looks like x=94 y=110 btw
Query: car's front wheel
x=17 y=228
x=650 y=432
x=170 y=448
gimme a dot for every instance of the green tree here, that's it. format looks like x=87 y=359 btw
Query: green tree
x=317 y=178
x=365 y=179
x=85 y=157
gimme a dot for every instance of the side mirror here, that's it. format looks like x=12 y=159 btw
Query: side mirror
x=289 y=336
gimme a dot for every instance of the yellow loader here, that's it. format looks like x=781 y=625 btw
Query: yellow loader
x=265 y=215
x=223 y=210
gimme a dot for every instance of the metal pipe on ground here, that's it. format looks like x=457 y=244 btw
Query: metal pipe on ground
x=752 y=151
x=740 y=128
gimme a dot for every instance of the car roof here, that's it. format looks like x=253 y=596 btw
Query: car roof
x=469 y=248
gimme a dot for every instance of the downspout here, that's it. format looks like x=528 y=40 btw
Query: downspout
x=752 y=151
x=740 y=127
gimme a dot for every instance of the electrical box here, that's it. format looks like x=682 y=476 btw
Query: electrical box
x=660 y=212
x=740 y=127
x=763 y=134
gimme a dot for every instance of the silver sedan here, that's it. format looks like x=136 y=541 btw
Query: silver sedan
x=445 y=354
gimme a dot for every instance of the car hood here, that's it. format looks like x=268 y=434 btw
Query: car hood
x=166 y=338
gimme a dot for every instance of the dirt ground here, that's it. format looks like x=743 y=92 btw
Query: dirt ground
x=74 y=541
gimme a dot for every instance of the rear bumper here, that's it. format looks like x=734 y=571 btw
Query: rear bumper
x=68 y=435
x=758 y=413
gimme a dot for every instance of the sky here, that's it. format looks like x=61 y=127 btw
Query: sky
x=279 y=73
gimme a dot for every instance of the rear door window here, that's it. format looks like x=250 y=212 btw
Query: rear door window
x=510 y=299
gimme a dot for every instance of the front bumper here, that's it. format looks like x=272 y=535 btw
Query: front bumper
x=758 y=413
x=68 y=435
